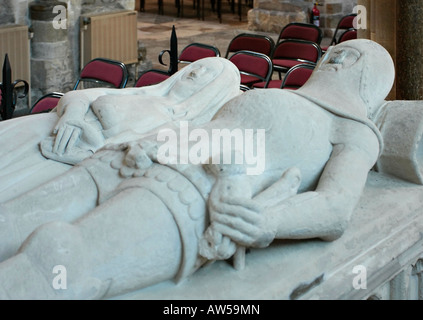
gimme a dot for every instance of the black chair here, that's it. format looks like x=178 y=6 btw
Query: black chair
x=46 y=103
x=150 y=77
x=290 y=52
x=254 y=67
x=251 y=42
x=104 y=72
x=301 y=31
x=193 y=52
x=297 y=76
x=196 y=51
x=350 y=34
x=345 y=23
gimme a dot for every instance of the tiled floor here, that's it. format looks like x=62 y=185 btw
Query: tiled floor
x=154 y=30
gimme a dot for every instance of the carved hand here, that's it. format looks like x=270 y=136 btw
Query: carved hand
x=242 y=221
x=73 y=131
x=136 y=160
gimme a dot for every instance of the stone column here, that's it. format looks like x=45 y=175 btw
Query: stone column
x=396 y=25
x=364 y=33
x=74 y=12
x=381 y=27
x=51 y=61
x=410 y=47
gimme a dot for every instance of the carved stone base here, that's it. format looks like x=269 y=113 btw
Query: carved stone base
x=375 y=258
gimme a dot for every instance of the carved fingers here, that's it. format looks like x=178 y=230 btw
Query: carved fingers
x=242 y=221
x=215 y=246
x=136 y=157
x=66 y=138
x=135 y=161
x=75 y=132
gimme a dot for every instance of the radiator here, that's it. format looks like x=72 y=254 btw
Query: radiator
x=14 y=40
x=109 y=35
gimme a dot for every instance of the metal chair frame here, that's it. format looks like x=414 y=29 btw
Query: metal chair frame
x=305 y=26
x=252 y=38
x=56 y=95
x=294 y=69
x=300 y=60
x=349 y=17
x=158 y=71
x=121 y=65
x=260 y=78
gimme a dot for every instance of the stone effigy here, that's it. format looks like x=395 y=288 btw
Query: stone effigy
x=130 y=221
x=69 y=136
x=401 y=126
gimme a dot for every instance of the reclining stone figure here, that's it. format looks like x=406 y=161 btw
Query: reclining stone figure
x=129 y=221
x=86 y=120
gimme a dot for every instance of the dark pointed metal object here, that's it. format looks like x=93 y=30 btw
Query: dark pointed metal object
x=173 y=53
x=8 y=93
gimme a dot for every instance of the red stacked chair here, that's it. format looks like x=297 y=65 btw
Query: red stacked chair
x=301 y=31
x=196 y=51
x=253 y=67
x=104 y=72
x=46 y=103
x=297 y=76
x=150 y=77
x=345 y=23
x=192 y=52
x=251 y=42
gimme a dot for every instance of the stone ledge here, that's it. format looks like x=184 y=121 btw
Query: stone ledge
x=384 y=236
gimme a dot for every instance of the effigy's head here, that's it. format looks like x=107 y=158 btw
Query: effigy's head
x=203 y=86
x=360 y=67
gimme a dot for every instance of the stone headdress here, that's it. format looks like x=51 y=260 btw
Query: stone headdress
x=203 y=105
x=353 y=89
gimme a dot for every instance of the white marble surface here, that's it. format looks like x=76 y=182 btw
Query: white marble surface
x=387 y=223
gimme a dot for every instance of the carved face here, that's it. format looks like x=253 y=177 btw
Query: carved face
x=195 y=77
x=338 y=58
x=353 y=77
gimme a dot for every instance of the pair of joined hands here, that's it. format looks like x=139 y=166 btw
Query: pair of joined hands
x=236 y=218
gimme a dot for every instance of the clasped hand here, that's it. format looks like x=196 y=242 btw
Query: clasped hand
x=235 y=221
x=242 y=220
x=137 y=158
x=70 y=133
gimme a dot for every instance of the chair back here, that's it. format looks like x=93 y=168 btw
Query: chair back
x=297 y=76
x=301 y=31
x=46 y=103
x=196 y=51
x=253 y=67
x=251 y=42
x=192 y=52
x=345 y=23
x=150 y=77
x=350 y=34
x=104 y=72
x=291 y=52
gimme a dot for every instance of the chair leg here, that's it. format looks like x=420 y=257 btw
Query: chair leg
x=160 y=3
x=219 y=8
x=240 y=10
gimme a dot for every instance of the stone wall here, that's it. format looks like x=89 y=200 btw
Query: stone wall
x=273 y=15
x=13 y=12
x=55 y=52
x=332 y=11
